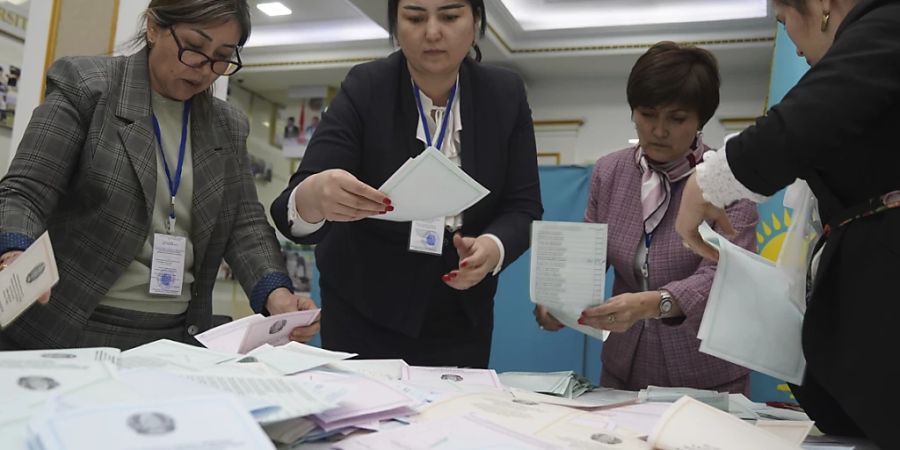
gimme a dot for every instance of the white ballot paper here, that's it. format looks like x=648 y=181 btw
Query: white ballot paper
x=196 y=423
x=429 y=186
x=689 y=423
x=750 y=319
x=243 y=335
x=27 y=278
x=568 y=270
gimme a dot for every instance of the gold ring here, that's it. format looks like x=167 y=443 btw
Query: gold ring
x=611 y=318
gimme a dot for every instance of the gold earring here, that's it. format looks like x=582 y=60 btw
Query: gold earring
x=826 y=17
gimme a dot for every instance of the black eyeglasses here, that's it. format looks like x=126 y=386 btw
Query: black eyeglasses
x=198 y=59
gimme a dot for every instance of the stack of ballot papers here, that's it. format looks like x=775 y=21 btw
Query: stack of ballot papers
x=248 y=333
x=566 y=384
x=429 y=186
x=568 y=270
x=719 y=400
x=26 y=279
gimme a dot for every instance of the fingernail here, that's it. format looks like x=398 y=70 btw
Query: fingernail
x=446 y=277
x=387 y=201
x=580 y=321
x=463 y=264
x=390 y=208
x=453 y=274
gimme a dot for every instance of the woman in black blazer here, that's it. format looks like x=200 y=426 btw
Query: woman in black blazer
x=380 y=299
x=836 y=129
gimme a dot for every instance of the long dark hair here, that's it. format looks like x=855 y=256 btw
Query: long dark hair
x=477 y=11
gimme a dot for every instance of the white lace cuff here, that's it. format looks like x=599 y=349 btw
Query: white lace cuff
x=300 y=227
x=718 y=184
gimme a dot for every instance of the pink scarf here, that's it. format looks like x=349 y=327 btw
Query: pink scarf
x=657 y=178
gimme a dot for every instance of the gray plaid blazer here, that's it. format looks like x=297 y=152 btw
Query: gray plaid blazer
x=86 y=171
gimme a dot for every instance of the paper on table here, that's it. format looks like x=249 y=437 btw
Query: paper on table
x=451 y=433
x=479 y=377
x=200 y=423
x=27 y=278
x=293 y=397
x=638 y=419
x=792 y=431
x=689 y=423
x=750 y=319
x=166 y=354
x=360 y=397
x=568 y=270
x=295 y=357
x=382 y=369
x=429 y=186
x=597 y=399
x=29 y=378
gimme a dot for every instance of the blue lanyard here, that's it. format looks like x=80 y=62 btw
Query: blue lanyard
x=447 y=112
x=173 y=183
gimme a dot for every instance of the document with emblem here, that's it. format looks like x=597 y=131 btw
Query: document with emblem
x=26 y=279
x=568 y=270
x=196 y=423
x=429 y=186
x=250 y=332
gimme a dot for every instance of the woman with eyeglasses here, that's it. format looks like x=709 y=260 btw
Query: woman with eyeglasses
x=141 y=178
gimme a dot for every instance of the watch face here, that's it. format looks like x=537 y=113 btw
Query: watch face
x=665 y=306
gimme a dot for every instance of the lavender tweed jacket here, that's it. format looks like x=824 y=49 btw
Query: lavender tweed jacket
x=654 y=352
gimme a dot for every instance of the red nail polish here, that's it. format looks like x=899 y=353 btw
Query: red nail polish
x=387 y=201
x=463 y=264
x=580 y=321
x=390 y=208
x=445 y=277
x=453 y=274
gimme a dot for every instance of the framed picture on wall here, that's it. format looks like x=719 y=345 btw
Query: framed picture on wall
x=9 y=80
x=295 y=125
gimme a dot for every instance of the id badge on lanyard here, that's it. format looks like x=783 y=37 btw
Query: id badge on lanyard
x=169 y=251
x=427 y=236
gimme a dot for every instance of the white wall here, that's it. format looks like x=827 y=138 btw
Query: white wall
x=601 y=103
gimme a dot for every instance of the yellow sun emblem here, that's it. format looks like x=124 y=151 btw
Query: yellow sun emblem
x=770 y=233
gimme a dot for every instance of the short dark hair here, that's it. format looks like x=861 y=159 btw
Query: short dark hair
x=800 y=5
x=166 y=13
x=477 y=11
x=673 y=74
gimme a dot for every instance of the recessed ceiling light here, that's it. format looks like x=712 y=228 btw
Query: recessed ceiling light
x=274 y=9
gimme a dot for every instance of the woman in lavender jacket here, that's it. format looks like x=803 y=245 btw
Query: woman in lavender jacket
x=673 y=91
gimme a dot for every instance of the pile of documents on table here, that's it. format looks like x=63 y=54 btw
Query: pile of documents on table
x=167 y=395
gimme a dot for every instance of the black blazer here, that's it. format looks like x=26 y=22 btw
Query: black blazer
x=370 y=130
x=837 y=128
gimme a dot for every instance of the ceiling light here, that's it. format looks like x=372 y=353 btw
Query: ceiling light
x=274 y=9
x=534 y=15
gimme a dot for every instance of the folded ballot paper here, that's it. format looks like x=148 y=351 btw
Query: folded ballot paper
x=565 y=384
x=568 y=270
x=250 y=332
x=750 y=318
x=27 y=278
x=689 y=423
x=429 y=186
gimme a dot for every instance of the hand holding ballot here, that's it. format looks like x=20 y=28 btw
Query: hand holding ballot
x=338 y=196
x=26 y=277
x=283 y=301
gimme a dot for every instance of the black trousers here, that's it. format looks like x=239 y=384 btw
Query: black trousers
x=448 y=337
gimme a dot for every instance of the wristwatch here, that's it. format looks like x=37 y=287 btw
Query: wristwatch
x=665 y=304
